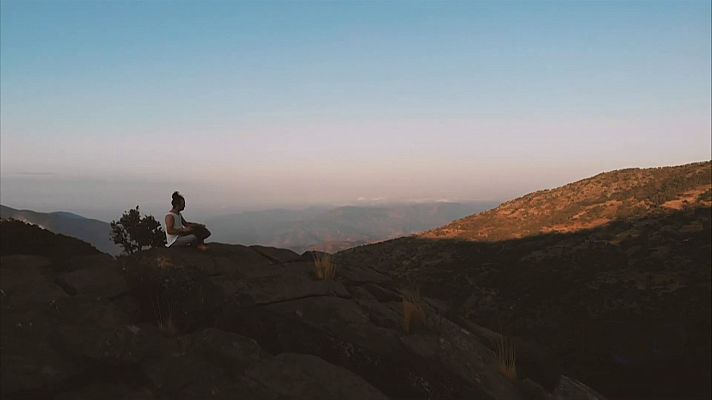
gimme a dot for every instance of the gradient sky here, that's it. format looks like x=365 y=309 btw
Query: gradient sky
x=255 y=104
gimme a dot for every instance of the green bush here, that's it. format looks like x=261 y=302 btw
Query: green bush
x=134 y=232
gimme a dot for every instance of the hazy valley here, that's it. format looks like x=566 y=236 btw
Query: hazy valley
x=336 y=228
x=322 y=228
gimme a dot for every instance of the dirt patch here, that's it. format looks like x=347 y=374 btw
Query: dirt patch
x=686 y=198
x=576 y=226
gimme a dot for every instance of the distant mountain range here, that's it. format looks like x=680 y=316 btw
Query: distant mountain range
x=338 y=228
x=95 y=232
x=327 y=229
x=612 y=273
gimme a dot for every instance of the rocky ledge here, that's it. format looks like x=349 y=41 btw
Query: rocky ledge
x=239 y=323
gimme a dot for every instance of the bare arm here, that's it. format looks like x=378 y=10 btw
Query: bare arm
x=190 y=224
x=170 y=220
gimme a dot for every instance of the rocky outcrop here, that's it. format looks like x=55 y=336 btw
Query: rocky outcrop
x=235 y=323
x=29 y=362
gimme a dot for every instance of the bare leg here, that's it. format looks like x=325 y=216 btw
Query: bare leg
x=202 y=233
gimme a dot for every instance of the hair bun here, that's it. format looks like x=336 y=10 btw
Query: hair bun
x=176 y=195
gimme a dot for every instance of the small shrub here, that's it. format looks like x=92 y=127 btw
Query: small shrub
x=324 y=268
x=506 y=356
x=134 y=232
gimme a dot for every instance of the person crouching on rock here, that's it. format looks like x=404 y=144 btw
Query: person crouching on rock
x=181 y=233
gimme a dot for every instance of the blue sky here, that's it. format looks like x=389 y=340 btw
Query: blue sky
x=249 y=104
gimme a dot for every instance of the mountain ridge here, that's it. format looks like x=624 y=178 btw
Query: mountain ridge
x=587 y=203
x=90 y=230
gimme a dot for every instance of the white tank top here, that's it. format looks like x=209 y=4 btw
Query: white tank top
x=177 y=224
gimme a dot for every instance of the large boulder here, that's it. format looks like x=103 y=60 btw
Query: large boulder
x=88 y=261
x=303 y=376
x=276 y=254
x=28 y=298
x=96 y=332
x=170 y=293
x=106 y=391
x=292 y=282
x=26 y=281
x=103 y=280
x=340 y=332
x=571 y=389
x=201 y=365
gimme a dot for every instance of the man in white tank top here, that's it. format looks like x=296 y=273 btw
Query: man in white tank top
x=181 y=233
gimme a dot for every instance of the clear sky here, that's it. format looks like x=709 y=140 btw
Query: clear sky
x=255 y=104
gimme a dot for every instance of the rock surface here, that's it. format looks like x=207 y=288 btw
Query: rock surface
x=235 y=323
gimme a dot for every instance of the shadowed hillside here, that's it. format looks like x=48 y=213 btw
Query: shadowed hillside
x=96 y=232
x=22 y=238
x=619 y=288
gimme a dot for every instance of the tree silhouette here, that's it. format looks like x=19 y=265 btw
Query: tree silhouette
x=133 y=232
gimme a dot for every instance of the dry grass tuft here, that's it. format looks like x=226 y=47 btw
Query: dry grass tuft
x=413 y=310
x=324 y=268
x=167 y=326
x=164 y=319
x=506 y=356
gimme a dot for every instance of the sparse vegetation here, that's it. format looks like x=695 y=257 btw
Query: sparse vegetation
x=324 y=267
x=506 y=358
x=587 y=204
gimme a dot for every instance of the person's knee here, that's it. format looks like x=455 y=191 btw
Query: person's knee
x=202 y=233
x=185 y=241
